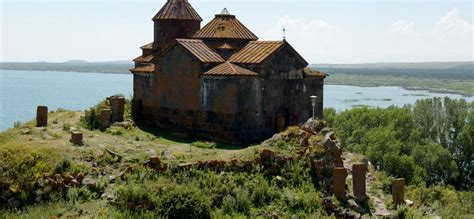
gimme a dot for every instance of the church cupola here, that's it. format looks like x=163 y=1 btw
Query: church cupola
x=177 y=19
x=225 y=26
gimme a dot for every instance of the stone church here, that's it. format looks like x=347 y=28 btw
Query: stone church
x=220 y=82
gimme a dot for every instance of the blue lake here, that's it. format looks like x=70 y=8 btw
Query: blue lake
x=22 y=91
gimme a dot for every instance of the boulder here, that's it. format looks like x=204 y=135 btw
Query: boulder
x=26 y=131
x=271 y=141
x=267 y=156
x=89 y=182
x=167 y=155
x=313 y=126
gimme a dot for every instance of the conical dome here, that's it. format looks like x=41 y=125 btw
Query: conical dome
x=225 y=26
x=177 y=10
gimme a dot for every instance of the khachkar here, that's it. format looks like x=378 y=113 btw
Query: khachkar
x=359 y=181
x=42 y=116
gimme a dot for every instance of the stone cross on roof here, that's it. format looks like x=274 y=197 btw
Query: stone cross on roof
x=225 y=12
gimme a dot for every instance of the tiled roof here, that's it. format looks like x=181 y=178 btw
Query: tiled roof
x=177 y=9
x=229 y=69
x=225 y=26
x=314 y=73
x=147 y=58
x=256 y=52
x=147 y=46
x=201 y=51
x=149 y=68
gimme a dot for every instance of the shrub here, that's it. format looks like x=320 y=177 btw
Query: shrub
x=184 y=202
x=23 y=165
x=91 y=118
x=239 y=202
x=133 y=195
x=66 y=127
x=205 y=145
x=305 y=199
x=81 y=194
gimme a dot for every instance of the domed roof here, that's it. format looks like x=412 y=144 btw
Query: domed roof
x=177 y=10
x=225 y=26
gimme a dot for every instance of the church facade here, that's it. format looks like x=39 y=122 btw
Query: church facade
x=220 y=82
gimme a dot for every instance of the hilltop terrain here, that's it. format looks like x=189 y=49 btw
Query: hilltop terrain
x=133 y=170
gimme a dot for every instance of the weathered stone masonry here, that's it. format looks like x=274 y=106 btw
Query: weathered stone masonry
x=219 y=82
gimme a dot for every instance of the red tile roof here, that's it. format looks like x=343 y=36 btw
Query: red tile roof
x=225 y=26
x=177 y=9
x=229 y=69
x=200 y=50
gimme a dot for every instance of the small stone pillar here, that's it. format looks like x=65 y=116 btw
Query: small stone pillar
x=76 y=138
x=398 y=191
x=41 y=116
x=359 y=172
x=117 y=104
x=105 y=115
x=339 y=175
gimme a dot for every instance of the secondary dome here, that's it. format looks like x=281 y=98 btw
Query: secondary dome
x=225 y=26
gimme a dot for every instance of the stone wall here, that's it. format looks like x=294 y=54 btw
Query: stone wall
x=232 y=109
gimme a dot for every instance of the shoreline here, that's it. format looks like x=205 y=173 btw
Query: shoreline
x=429 y=90
x=355 y=84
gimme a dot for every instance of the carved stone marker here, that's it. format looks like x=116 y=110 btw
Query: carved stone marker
x=76 y=138
x=359 y=172
x=42 y=116
x=117 y=104
x=339 y=175
x=398 y=191
x=105 y=115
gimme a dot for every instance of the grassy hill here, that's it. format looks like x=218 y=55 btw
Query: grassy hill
x=130 y=171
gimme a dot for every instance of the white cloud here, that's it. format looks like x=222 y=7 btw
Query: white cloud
x=449 y=39
x=453 y=26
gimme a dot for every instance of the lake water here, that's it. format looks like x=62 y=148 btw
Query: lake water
x=22 y=91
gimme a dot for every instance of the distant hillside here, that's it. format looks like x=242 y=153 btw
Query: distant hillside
x=438 y=70
x=115 y=67
x=428 y=70
x=402 y=65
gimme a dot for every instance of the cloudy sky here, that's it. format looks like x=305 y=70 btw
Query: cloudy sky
x=324 y=31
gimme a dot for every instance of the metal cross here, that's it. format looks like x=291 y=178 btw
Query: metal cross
x=284 y=33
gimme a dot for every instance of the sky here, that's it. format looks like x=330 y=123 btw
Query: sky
x=323 y=31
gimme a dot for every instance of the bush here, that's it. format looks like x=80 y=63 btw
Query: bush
x=81 y=194
x=239 y=202
x=205 y=145
x=135 y=196
x=184 y=202
x=301 y=199
x=21 y=166
x=91 y=118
